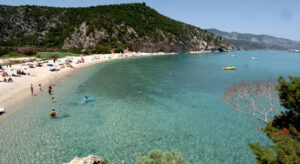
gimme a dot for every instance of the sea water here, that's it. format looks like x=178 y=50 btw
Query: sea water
x=143 y=104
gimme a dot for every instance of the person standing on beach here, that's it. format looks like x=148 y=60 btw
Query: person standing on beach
x=31 y=89
x=40 y=86
x=50 y=90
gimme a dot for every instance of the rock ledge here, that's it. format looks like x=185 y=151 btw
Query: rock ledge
x=91 y=159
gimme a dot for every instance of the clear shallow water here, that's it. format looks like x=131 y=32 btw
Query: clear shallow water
x=165 y=102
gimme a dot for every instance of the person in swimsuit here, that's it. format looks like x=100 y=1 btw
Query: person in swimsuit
x=53 y=113
x=85 y=99
x=40 y=86
x=53 y=99
x=50 y=90
x=31 y=89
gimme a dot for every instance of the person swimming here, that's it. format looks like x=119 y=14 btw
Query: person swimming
x=85 y=99
x=53 y=113
x=50 y=90
x=53 y=99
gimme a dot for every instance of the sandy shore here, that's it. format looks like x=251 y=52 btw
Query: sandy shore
x=14 y=94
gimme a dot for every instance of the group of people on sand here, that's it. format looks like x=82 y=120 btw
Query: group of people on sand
x=7 y=80
x=8 y=77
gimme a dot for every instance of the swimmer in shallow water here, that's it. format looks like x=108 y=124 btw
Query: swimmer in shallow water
x=53 y=99
x=85 y=99
x=53 y=113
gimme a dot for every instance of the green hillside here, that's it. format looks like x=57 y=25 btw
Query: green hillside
x=102 y=28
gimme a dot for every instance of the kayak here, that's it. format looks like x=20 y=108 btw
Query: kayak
x=229 y=68
x=89 y=98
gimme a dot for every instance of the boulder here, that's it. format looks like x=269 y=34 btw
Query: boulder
x=91 y=159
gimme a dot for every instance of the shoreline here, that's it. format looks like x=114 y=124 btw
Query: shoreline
x=41 y=75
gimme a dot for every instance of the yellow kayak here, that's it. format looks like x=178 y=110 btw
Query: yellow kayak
x=229 y=68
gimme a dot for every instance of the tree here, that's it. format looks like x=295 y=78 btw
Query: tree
x=284 y=128
x=257 y=99
x=289 y=93
x=159 y=157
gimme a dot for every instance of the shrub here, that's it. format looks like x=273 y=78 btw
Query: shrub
x=38 y=56
x=15 y=54
x=102 y=50
x=29 y=51
x=159 y=157
x=86 y=52
x=5 y=51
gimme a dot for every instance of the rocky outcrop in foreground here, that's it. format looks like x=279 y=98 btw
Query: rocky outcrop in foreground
x=91 y=159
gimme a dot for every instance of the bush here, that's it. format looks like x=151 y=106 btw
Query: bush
x=86 y=52
x=15 y=54
x=159 y=157
x=102 y=50
x=38 y=56
x=29 y=51
x=5 y=51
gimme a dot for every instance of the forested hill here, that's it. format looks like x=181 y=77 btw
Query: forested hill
x=251 y=41
x=102 y=28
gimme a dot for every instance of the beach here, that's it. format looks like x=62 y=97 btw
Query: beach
x=14 y=94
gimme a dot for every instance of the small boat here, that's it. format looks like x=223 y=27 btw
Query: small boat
x=229 y=68
x=253 y=58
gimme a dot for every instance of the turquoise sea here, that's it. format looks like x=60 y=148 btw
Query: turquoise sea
x=162 y=102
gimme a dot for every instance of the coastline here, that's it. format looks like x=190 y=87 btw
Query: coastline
x=13 y=95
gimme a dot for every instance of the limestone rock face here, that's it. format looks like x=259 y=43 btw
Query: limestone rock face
x=91 y=159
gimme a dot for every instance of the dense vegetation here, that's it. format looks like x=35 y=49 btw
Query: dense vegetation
x=283 y=130
x=160 y=157
x=108 y=28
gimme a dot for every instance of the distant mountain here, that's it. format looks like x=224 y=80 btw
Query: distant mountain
x=250 y=41
x=102 y=29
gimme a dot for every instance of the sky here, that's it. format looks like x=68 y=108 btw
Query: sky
x=280 y=18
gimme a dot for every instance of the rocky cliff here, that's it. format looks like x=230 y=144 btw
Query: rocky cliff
x=103 y=28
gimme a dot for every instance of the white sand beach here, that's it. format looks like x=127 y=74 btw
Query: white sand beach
x=13 y=94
